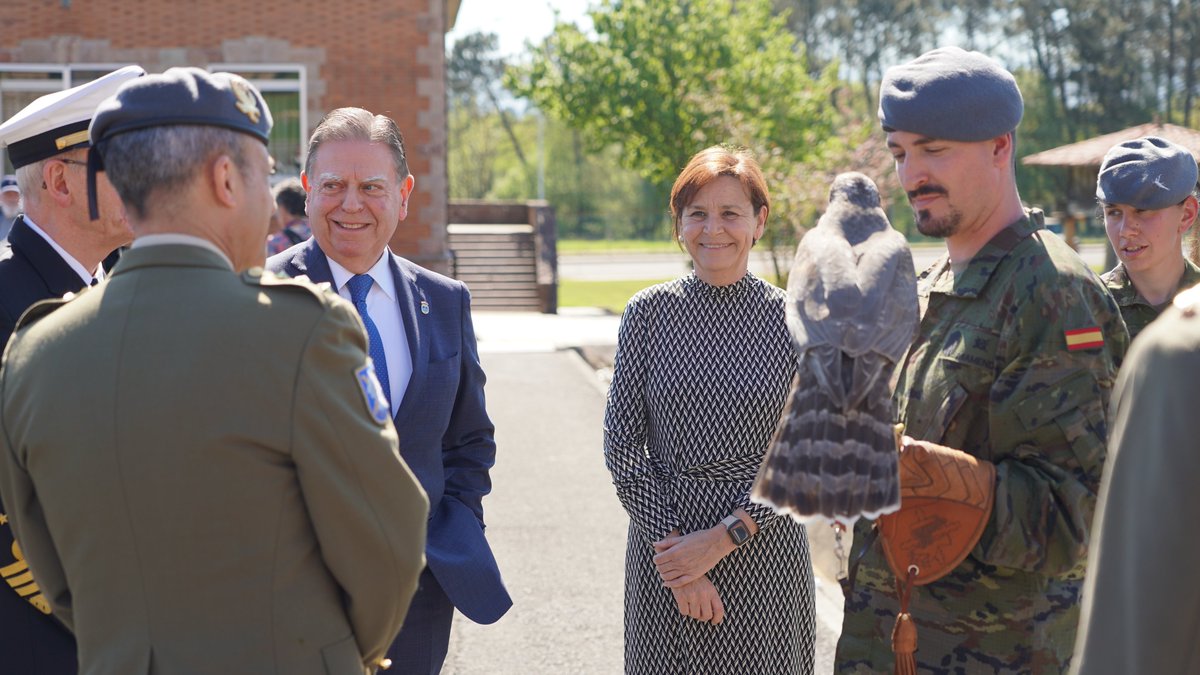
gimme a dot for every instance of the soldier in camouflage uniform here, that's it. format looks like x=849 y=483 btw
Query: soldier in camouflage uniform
x=1014 y=361
x=1146 y=190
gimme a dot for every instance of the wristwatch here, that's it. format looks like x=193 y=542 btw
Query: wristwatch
x=738 y=532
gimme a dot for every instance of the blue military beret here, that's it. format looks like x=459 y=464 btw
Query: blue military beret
x=183 y=96
x=180 y=96
x=951 y=94
x=1148 y=173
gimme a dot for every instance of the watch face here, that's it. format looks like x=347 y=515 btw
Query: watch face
x=739 y=533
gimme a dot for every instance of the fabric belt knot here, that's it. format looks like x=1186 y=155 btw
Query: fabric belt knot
x=359 y=285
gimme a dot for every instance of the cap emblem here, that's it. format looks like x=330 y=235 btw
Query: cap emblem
x=245 y=99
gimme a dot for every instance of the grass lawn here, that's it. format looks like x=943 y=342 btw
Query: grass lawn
x=610 y=295
x=616 y=246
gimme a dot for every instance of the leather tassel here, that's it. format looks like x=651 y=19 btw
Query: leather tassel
x=904 y=645
x=904 y=633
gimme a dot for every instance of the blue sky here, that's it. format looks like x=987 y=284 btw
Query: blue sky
x=515 y=21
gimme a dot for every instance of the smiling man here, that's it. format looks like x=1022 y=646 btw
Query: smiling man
x=1146 y=189
x=1013 y=365
x=423 y=346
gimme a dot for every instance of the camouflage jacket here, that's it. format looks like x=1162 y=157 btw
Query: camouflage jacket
x=1013 y=363
x=1136 y=310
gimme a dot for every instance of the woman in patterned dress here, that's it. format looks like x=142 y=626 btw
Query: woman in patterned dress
x=702 y=371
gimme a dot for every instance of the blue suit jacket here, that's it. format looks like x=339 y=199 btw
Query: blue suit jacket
x=445 y=433
x=30 y=641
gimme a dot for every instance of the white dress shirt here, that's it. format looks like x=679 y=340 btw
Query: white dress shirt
x=384 y=308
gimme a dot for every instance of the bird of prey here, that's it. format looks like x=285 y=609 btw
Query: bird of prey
x=852 y=312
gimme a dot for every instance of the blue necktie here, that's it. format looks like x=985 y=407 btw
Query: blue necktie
x=359 y=285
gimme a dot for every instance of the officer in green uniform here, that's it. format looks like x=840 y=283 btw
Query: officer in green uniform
x=197 y=460
x=1146 y=190
x=1013 y=364
x=1141 y=605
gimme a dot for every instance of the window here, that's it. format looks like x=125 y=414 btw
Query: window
x=20 y=85
x=283 y=88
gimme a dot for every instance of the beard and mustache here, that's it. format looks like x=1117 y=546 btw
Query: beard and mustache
x=927 y=224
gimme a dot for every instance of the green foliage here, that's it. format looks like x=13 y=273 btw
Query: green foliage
x=664 y=80
x=629 y=100
x=593 y=194
x=616 y=246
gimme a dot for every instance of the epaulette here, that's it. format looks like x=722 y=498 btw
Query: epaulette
x=43 y=308
x=1188 y=301
x=257 y=276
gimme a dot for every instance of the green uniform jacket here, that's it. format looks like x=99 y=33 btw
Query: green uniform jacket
x=196 y=478
x=1137 y=312
x=992 y=373
x=1141 y=608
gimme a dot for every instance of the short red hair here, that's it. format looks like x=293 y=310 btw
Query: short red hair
x=711 y=163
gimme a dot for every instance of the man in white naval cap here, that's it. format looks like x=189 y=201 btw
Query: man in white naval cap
x=52 y=249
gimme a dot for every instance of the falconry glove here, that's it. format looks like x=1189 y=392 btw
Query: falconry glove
x=946 y=499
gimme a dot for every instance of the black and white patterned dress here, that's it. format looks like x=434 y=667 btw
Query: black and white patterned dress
x=701 y=376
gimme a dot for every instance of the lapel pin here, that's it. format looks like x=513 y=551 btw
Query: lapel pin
x=424 y=307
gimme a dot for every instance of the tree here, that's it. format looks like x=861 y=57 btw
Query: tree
x=647 y=77
x=472 y=70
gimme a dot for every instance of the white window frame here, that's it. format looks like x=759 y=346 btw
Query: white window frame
x=299 y=86
x=43 y=87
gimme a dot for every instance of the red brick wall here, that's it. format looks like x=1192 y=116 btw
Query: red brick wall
x=383 y=55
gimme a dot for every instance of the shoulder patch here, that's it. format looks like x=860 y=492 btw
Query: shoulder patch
x=372 y=391
x=1084 y=338
x=42 y=309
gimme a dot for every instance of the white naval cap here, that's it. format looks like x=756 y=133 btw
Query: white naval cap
x=58 y=122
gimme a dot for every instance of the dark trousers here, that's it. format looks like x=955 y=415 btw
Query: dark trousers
x=422 y=643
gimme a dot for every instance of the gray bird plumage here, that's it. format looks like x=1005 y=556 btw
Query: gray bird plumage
x=852 y=311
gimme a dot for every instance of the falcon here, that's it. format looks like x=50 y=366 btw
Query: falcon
x=852 y=313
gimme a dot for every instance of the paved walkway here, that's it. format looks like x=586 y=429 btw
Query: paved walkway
x=554 y=520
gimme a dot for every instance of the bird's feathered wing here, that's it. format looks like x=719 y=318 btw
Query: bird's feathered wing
x=852 y=311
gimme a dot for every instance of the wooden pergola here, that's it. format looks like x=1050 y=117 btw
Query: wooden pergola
x=1082 y=161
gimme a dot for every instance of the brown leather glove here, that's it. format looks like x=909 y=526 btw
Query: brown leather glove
x=946 y=498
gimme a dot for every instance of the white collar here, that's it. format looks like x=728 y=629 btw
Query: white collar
x=67 y=257
x=380 y=273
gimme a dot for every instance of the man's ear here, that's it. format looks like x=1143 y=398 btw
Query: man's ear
x=1002 y=149
x=406 y=188
x=221 y=172
x=1190 y=208
x=54 y=181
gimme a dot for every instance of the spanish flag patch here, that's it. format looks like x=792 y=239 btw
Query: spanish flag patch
x=1084 y=338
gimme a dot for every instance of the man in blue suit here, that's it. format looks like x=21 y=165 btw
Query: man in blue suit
x=423 y=344
x=53 y=248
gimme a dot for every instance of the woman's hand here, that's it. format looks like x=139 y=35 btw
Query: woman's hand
x=683 y=560
x=700 y=601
